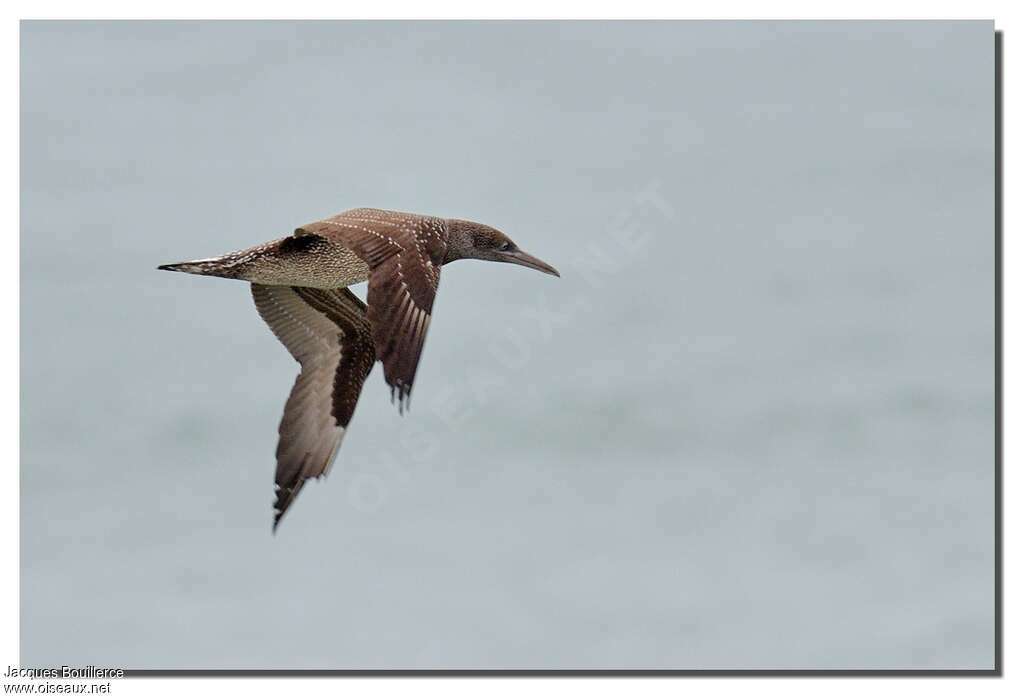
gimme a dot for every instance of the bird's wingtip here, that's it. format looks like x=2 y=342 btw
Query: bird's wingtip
x=403 y=392
x=278 y=514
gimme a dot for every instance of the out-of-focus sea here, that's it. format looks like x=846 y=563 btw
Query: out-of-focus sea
x=752 y=425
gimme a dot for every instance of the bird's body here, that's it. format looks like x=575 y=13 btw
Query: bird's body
x=299 y=287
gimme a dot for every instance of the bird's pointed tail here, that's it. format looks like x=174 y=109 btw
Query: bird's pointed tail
x=230 y=266
x=193 y=267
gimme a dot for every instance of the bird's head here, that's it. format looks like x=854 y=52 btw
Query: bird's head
x=468 y=240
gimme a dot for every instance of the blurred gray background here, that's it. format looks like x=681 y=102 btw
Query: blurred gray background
x=750 y=427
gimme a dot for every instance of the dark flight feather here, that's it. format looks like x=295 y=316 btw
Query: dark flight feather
x=327 y=333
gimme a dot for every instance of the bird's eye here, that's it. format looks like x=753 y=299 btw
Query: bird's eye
x=506 y=246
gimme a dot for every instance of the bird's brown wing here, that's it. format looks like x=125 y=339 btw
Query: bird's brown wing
x=327 y=333
x=404 y=253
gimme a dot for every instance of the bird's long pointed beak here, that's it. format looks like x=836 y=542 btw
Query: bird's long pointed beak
x=519 y=257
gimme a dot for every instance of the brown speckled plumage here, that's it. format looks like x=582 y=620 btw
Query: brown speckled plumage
x=298 y=284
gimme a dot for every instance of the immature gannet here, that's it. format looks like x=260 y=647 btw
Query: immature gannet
x=298 y=284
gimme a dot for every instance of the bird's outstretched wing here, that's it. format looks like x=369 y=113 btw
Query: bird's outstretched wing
x=327 y=333
x=404 y=253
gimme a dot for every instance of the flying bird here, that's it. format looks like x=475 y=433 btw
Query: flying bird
x=299 y=286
